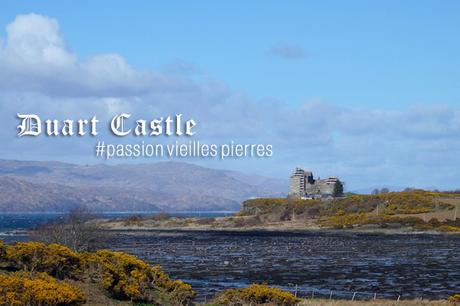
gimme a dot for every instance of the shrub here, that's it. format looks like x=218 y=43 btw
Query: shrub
x=391 y=203
x=61 y=262
x=253 y=221
x=454 y=298
x=122 y=275
x=56 y=260
x=41 y=289
x=205 y=221
x=256 y=294
x=127 y=277
x=135 y=220
x=161 y=217
x=455 y=223
x=2 y=251
x=347 y=221
x=238 y=222
x=26 y=255
x=313 y=212
x=448 y=228
x=77 y=230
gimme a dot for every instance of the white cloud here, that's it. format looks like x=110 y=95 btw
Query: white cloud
x=287 y=51
x=34 y=44
x=35 y=57
x=39 y=74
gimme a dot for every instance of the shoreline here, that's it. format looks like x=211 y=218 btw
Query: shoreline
x=274 y=230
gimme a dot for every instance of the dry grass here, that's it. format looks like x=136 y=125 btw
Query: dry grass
x=97 y=297
x=440 y=215
x=322 y=302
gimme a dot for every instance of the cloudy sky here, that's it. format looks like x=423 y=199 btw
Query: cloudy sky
x=367 y=93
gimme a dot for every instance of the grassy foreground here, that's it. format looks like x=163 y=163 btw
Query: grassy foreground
x=319 y=302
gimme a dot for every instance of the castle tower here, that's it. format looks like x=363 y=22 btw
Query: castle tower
x=299 y=181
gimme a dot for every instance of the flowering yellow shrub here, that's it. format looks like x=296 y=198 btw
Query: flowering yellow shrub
x=41 y=289
x=26 y=255
x=392 y=203
x=454 y=297
x=448 y=228
x=127 y=277
x=350 y=220
x=54 y=259
x=256 y=294
x=122 y=275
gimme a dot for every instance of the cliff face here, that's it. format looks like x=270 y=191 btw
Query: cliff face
x=168 y=186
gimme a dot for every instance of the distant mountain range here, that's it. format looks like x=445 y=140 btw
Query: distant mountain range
x=31 y=186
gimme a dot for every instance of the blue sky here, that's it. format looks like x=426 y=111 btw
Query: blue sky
x=384 y=53
x=357 y=87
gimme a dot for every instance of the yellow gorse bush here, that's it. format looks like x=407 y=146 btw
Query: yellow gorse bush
x=454 y=297
x=127 y=277
x=407 y=202
x=123 y=276
x=361 y=209
x=56 y=260
x=256 y=294
x=40 y=289
x=341 y=221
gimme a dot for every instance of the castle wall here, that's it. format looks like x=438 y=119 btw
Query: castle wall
x=322 y=187
x=302 y=185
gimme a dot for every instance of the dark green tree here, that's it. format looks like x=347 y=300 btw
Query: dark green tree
x=338 y=189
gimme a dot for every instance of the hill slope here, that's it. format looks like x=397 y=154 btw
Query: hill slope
x=171 y=186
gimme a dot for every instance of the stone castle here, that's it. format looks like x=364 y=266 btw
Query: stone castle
x=304 y=186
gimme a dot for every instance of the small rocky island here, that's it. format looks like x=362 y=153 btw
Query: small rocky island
x=320 y=204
